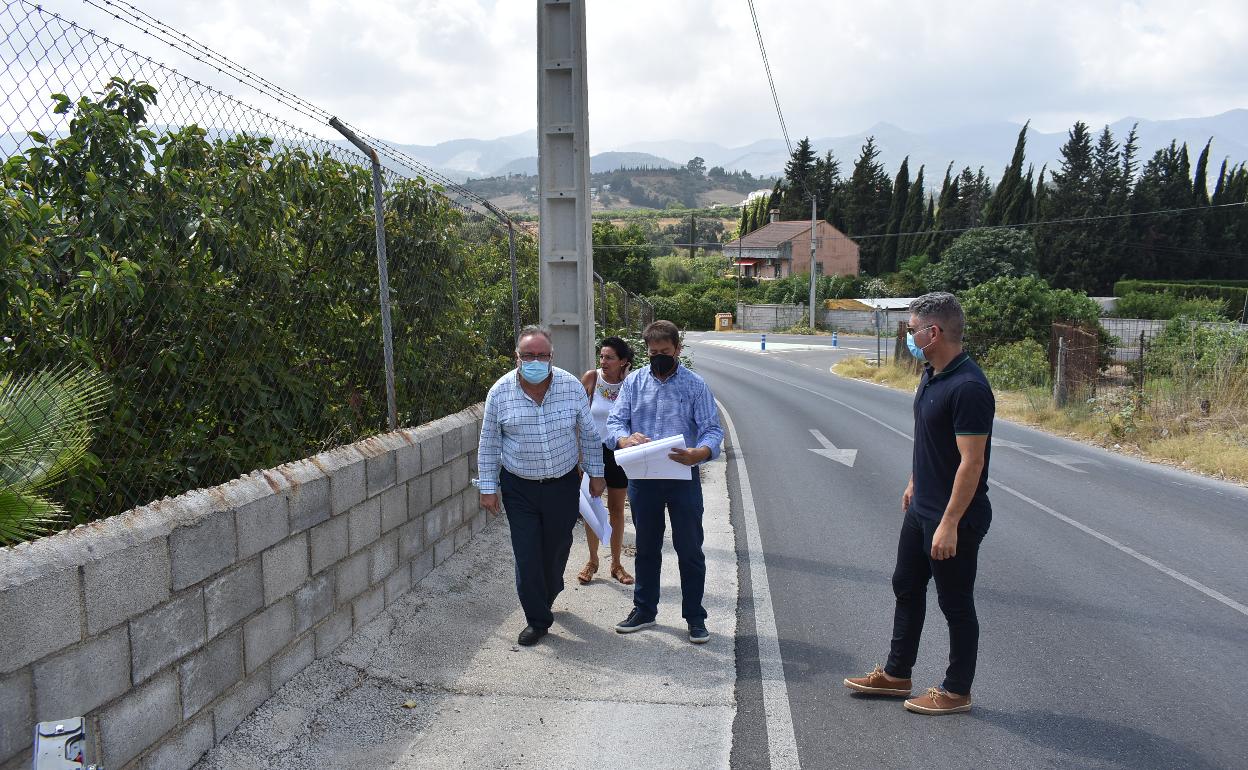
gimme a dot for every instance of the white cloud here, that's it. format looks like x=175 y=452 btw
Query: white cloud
x=423 y=71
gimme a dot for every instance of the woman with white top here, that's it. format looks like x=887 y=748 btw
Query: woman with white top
x=602 y=385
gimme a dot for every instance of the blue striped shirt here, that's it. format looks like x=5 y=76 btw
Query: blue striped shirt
x=682 y=404
x=536 y=441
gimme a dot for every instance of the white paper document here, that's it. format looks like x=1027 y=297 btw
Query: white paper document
x=650 y=460
x=594 y=512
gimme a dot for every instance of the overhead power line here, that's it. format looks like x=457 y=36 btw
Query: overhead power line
x=758 y=32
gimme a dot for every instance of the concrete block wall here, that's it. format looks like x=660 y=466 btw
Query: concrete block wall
x=168 y=624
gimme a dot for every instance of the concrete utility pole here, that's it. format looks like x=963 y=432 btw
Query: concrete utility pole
x=565 y=246
x=813 y=222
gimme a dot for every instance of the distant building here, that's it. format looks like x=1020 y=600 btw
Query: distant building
x=780 y=249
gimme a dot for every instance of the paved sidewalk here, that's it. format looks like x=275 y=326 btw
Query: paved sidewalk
x=438 y=681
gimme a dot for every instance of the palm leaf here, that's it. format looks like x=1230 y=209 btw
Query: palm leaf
x=26 y=516
x=45 y=424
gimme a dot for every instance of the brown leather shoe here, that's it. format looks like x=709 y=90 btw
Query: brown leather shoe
x=879 y=683
x=938 y=701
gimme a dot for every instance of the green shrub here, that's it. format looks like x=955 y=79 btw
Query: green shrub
x=1017 y=365
x=1166 y=306
x=1009 y=309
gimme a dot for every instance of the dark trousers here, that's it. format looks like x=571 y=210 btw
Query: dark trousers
x=955 y=592
x=683 y=501
x=541 y=516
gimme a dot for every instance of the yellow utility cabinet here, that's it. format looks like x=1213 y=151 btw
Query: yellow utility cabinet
x=723 y=322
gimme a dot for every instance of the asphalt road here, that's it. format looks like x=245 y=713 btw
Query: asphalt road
x=1112 y=593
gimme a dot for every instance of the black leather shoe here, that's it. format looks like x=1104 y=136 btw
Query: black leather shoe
x=530 y=635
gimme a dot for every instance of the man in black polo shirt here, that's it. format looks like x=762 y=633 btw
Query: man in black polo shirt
x=946 y=509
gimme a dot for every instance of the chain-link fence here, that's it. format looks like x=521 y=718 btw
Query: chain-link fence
x=190 y=283
x=618 y=310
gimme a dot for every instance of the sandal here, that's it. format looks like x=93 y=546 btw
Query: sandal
x=586 y=575
x=619 y=573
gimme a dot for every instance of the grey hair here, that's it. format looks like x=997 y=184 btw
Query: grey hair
x=531 y=330
x=942 y=309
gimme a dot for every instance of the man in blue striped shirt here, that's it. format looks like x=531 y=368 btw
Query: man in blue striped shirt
x=536 y=426
x=657 y=401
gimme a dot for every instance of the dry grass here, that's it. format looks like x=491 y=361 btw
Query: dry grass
x=1171 y=427
x=892 y=376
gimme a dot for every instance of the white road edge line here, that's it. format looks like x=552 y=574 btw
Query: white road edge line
x=1179 y=576
x=781 y=740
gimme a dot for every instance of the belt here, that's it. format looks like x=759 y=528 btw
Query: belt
x=550 y=480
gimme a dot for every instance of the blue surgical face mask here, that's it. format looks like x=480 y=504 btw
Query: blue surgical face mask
x=915 y=350
x=535 y=372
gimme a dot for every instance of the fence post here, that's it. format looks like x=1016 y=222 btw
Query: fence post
x=1139 y=372
x=383 y=273
x=1059 y=381
x=624 y=300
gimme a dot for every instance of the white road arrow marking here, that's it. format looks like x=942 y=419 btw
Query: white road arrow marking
x=1063 y=461
x=845 y=457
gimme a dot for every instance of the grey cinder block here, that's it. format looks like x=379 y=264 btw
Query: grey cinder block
x=238 y=704
x=352 y=577
x=441 y=483
x=379 y=472
x=393 y=507
x=431 y=452
x=309 y=503
x=461 y=474
x=419 y=495
x=329 y=543
x=443 y=549
x=333 y=632
x=183 y=749
x=346 y=481
x=462 y=536
x=163 y=635
x=368 y=605
x=138 y=720
x=451 y=443
x=291 y=661
x=17 y=718
x=384 y=557
x=211 y=671
x=267 y=633
x=407 y=463
x=233 y=596
x=202 y=550
x=422 y=566
x=364 y=524
x=40 y=617
x=398 y=584
x=411 y=540
x=261 y=523
x=82 y=678
x=470 y=437
x=125 y=584
x=313 y=602
x=285 y=567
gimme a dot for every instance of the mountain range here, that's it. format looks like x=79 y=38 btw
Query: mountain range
x=989 y=145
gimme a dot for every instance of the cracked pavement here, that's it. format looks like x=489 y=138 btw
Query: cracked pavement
x=438 y=680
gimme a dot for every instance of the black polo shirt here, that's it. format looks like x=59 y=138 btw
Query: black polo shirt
x=954 y=402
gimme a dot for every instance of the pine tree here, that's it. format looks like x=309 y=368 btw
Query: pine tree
x=867 y=200
x=1063 y=256
x=798 y=183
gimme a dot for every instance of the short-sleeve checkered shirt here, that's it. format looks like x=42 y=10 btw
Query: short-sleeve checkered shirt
x=537 y=441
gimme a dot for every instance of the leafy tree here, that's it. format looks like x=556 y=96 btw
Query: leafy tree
x=621 y=255
x=980 y=255
x=1009 y=309
x=697 y=166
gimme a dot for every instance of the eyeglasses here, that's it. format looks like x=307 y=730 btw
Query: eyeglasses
x=913 y=331
x=531 y=357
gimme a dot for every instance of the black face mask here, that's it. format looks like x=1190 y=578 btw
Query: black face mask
x=662 y=365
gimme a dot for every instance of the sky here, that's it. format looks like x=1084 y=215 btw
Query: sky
x=426 y=71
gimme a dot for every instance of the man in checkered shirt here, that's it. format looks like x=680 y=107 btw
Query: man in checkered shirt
x=536 y=430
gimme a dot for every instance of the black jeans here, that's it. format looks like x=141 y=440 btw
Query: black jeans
x=541 y=516
x=955 y=591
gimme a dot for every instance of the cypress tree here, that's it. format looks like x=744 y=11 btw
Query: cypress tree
x=996 y=212
x=912 y=220
x=1062 y=252
x=897 y=210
